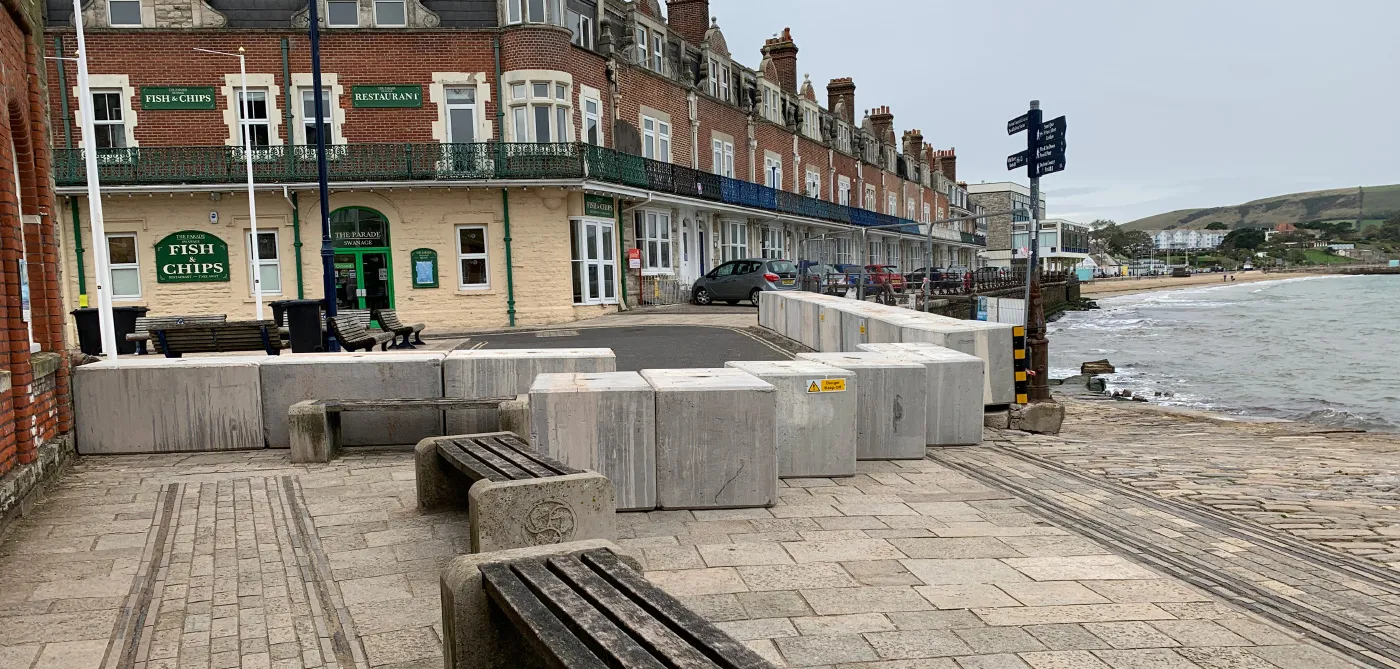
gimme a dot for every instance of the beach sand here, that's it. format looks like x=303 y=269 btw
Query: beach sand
x=1110 y=287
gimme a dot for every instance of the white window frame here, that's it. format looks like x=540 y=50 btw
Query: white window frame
x=140 y=13
x=809 y=123
x=449 y=106
x=872 y=202
x=724 y=78
x=308 y=116
x=814 y=184
x=734 y=241
x=643 y=46
x=771 y=242
x=910 y=211
x=722 y=157
x=381 y=24
x=119 y=123
x=607 y=259
x=595 y=117
x=484 y=255
x=133 y=267
x=656 y=139
x=891 y=204
x=658 y=51
x=773 y=172
x=356 y=24
x=518 y=11
x=523 y=110
x=581 y=27
x=264 y=262
x=927 y=213
x=653 y=228
x=843 y=191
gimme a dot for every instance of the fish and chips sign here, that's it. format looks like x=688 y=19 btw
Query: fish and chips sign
x=177 y=97
x=191 y=256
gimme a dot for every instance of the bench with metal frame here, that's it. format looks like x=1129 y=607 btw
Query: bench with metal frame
x=227 y=337
x=389 y=320
x=144 y=324
x=354 y=336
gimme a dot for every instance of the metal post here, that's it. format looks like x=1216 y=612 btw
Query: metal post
x=327 y=249
x=252 y=197
x=1035 y=306
x=101 y=262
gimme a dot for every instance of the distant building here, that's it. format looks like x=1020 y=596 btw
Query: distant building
x=1063 y=244
x=1002 y=197
x=1103 y=264
x=1341 y=247
x=1142 y=266
x=1187 y=240
x=1285 y=228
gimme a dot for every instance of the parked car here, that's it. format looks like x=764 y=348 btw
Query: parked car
x=885 y=274
x=1180 y=272
x=744 y=279
x=824 y=278
x=917 y=276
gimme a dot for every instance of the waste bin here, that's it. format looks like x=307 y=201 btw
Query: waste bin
x=90 y=328
x=303 y=319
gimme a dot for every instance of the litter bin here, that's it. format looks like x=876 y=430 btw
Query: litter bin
x=303 y=318
x=90 y=328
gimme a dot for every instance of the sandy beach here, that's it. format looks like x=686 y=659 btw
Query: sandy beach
x=1124 y=286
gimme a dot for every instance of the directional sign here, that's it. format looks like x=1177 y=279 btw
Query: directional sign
x=1016 y=160
x=1018 y=124
x=1052 y=130
x=1049 y=166
x=1046 y=151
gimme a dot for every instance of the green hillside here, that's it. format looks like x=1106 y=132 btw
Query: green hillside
x=1373 y=202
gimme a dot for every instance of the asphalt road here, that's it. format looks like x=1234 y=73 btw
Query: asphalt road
x=646 y=347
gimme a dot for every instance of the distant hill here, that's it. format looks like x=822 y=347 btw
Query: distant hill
x=1377 y=202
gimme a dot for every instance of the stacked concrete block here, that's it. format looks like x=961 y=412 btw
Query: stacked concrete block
x=509 y=372
x=888 y=328
x=829 y=328
x=994 y=345
x=604 y=422
x=891 y=413
x=288 y=379
x=772 y=313
x=716 y=439
x=954 y=391
x=816 y=416
x=168 y=405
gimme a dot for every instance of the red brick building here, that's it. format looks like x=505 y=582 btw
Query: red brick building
x=34 y=409
x=513 y=151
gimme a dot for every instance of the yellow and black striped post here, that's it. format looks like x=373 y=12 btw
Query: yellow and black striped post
x=1018 y=344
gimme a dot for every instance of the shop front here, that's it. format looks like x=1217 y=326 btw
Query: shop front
x=364 y=272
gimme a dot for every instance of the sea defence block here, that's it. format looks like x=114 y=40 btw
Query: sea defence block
x=891 y=416
x=829 y=328
x=716 y=439
x=508 y=372
x=772 y=313
x=605 y=422
x=993 y=344
x=954 y=391
x=291 y=378
x=168 y=405
x=816 y=416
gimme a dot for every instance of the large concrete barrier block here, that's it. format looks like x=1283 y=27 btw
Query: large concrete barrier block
x=772 y=311
x=816 y=416
x=887 y=328
x=804 y=318
x=891 y=418
x=994 y=344
x=509 y=372
x=291 y=378
x=954 y=391
x=829 y=333
x=604 y=422
x=855 y=328
x=716 y=439
x=939 y=333
x=168 y=405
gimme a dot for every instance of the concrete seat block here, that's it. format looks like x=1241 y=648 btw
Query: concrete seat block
x=509 y=372
x=816 y=430
x=315 y=433
x=716 y=439
x=955 y=405
x=291 y=378
x=168 y=405
x=604 y=422
x=891 y=413
x=542 y=511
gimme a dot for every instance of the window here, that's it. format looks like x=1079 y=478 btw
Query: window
x=581 y=25
x=311 y=126
x=872 y=253
x=461 y=114
x=927 y=219
x=124 y=266
x=594 y=267
x=772 y=104
x=656 y=139
x=714 y=78
x=773 y=172
x=268 y=268
x=535 y=11
x=390 y=14
x=343 y=13
x=814 y=184
x=653 y=234
x=124 y=13
x=254 y=126
x=723 y=158
x=909 y=209
x=592 y=130
x=892 y=254
x=471 y=258
x=843 y=251
x=108 y=126
x=735 y=240
x=843 y=137
x=658 y=51
x=892 y=204
x=809 y=123
x=772 y=242
x=643 y=46
x=540 y=111
x=870 y=198
x=844 y=191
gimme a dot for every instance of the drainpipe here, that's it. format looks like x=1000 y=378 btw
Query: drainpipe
x=296 y=237
x=78 y=249
x=68 y=144
x=63 y=86
x=287 y=124
x=510 y=275
x=621 y=253
x=505 y=193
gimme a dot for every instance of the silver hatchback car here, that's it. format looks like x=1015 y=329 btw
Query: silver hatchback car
x=743 y=280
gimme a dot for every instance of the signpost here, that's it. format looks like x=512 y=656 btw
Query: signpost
x=1044 y=154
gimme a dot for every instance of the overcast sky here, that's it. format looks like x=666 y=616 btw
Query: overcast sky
x=1170 y=105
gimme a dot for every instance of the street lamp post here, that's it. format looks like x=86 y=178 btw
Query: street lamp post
x=243 y=106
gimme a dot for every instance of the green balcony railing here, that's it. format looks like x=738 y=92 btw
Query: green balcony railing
x=451 y=162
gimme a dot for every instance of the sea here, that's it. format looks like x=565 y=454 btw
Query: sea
x=1321 y=350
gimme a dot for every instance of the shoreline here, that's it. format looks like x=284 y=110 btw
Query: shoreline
x=1131 y=286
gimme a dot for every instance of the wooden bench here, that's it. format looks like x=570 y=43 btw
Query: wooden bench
x=582 y=605
x=389 y=320
x=515 y=497
x=176 y=340
x=353 y=336
x=145 y=323
x=314 y=425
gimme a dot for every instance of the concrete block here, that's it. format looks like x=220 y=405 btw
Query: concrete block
x=475 y=634
x=804 y=317
x=816 y=430
x=315 y=433
x=939 y=333
x=829 y=333
x=605 y=422
x=855 y=328
x=954 y=391
x=168 y=405
x=891 y=418
x=772 y=311
x=291 y=378
x=509 y=372
x=515 y=417
x=539 y=512
x=716 y=439
x=994 y=345
x=887 y=328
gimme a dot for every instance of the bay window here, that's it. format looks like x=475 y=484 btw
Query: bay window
x=540 y=111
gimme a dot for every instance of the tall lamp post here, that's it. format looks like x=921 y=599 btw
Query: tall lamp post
x=102 y=270
x=327 y=249
x=243 y=107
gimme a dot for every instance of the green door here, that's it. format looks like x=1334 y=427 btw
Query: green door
x=364 y=273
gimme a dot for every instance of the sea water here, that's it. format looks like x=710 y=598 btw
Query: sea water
x=1324 y=350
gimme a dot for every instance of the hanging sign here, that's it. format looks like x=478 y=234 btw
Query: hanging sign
x=598 y=206
x=191 y=256
x=386 y=97
x=425 y=268
x=177 y=97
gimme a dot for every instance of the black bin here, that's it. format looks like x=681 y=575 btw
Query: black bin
x=90 y=328
x=303 y=320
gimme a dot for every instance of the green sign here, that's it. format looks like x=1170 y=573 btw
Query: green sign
x=191 y=256
x=177 y=97
x=398 y=95
x=599 y=206
x=425 y=268
x=359 y=228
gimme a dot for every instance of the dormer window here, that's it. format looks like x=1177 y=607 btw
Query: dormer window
x=772 y=104
x=809 y=123
x=719 y=79
x=124 y=13
x=843 y=137
x=535 y=11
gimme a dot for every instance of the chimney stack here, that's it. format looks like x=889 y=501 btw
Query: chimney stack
x=946 y=162
x=882 y=120
x=688 y=19
x=841 y=99
x=914 y=144
x=783 y=52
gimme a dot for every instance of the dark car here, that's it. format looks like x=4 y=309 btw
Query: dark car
x=744 y=279
x=818 y=277
x=917 y=276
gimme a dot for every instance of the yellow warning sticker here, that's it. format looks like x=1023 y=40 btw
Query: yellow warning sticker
x=826 y=386
x=862 y=329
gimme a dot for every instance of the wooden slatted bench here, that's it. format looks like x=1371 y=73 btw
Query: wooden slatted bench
x=227 y=337
x=314 y=425
x=145 y=323
x=389 y=320
x=583 y=605
x=515 y=497
x=354 y=335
